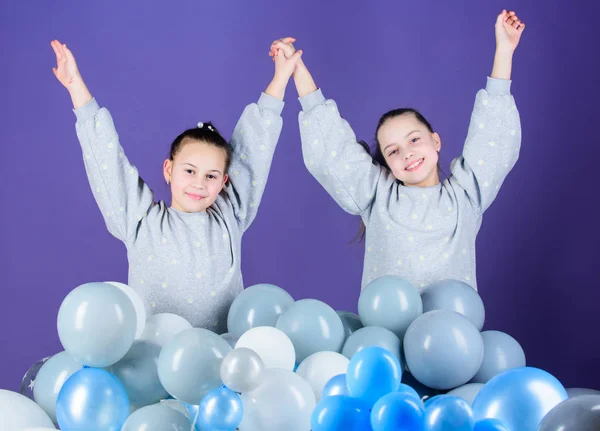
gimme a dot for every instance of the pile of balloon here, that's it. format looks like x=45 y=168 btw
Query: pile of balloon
x=408 y=361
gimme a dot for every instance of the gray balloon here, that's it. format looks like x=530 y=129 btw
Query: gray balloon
x=390 y=302
x=189 y=366
x=581 y=413
x=156 y=418
x=467 y=392
x=96 y=324
x=454 y=295
x=575 y=392
x=501 y=352
x=258 y=305
x=241 y=370
x=313 y=326
x=443 y=349
x=50 y=379
x=230 y=339
x=373 y=336
x=138 y=372
x=350 y=321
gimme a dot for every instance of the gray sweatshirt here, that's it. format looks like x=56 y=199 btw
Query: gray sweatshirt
x=423 y=234
x=182 y=263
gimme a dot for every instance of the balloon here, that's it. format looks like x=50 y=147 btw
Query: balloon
x=283 y=401
x=138 y=305
x=96 y=324
x=18 y=412
x=230 y=339
x=313 y=326
x=28 y=380
x=373 y=373
x=241 y=370
x=335 y=386
x=520 y=398
x=407 y=390
x=220 y=409
x=157 y=418
x=350 y=321
x=373 y=336
x=258 y=305
x=467 y=392
x=443 y=349
x=176 y=405
x=138 y=372
x=501 y=352
x=161 y=328
x=490 y=425
x=390 y=302
x=272 y=345
x=449 y=413
x=574 y=414
x=575 y=392
x=92 y=399
x=189 y=366
x=341 y=412
x=454 y=295
x=423 y=391
x=396 y=411
x=321 y=367
x=50 y=379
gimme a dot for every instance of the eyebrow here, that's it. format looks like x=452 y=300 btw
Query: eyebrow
x=393 y=143
x=214 y=170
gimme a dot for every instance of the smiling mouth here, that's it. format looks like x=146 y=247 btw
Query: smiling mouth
x=194 y=196
x=414 y=166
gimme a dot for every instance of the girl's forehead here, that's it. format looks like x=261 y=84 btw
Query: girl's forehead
x=199 y=151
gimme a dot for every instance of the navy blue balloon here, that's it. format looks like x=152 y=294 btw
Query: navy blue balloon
x=92 y=399
x=341 y=412
x=398 y=411
x=447 y=412
x=490 y=425
x=336 y=386
x=372 y=373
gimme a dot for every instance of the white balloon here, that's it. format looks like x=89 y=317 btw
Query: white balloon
x=320 y=367
x=272 y=345
x=162 y=327
x=18 y=412
x=283 y=401
x=178 y=406
x=138 y=304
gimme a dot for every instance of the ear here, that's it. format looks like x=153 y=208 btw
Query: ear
x=168 y=169
x=225 y=179
x=437 y=141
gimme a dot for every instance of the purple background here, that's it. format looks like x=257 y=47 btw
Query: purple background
x=161 y=68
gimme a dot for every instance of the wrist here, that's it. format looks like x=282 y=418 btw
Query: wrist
x=504 y=51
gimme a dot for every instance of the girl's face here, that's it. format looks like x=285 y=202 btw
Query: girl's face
x=410 y=150
x=197 y=175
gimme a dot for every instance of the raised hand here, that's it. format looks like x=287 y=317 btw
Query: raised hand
x=509 y=29
x=68 y=75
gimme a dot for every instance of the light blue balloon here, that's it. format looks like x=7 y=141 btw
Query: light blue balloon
x=313 y=326
x=443 y=349
x=96 y=324
x=580 y=413
x=350 y=321
x=157 y=418
x=449 y=413
x=520 y=398
x=336 y=386
x=407 y=390
x=220 y=410
x=51 y=378
x=501 y=353
x=341 y=412
x=398 y=411
x=258 y=305
x=390 y=302
x=371 y=336
x=423 y=391
x=92 y=399
x=189 y=366
x=373 y=373
x=467 y=392
x=490 y=425
x=230 y=339
x=427 y=401
x=138 y=372
x=454 y=295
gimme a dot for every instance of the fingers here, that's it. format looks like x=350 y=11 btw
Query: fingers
x=69 y=54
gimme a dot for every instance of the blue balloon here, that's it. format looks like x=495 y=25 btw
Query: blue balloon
x=341 y=412
x=220 y=409
x=446 y=412
x=422 y=390
x=156 y=418
x=427 y=401
x=519 y=397
x=92 y=399
x=490 y=425
x=372 y=373
x=405 y=389
x=336 y=386
x=398 y=411
x=371 y=336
